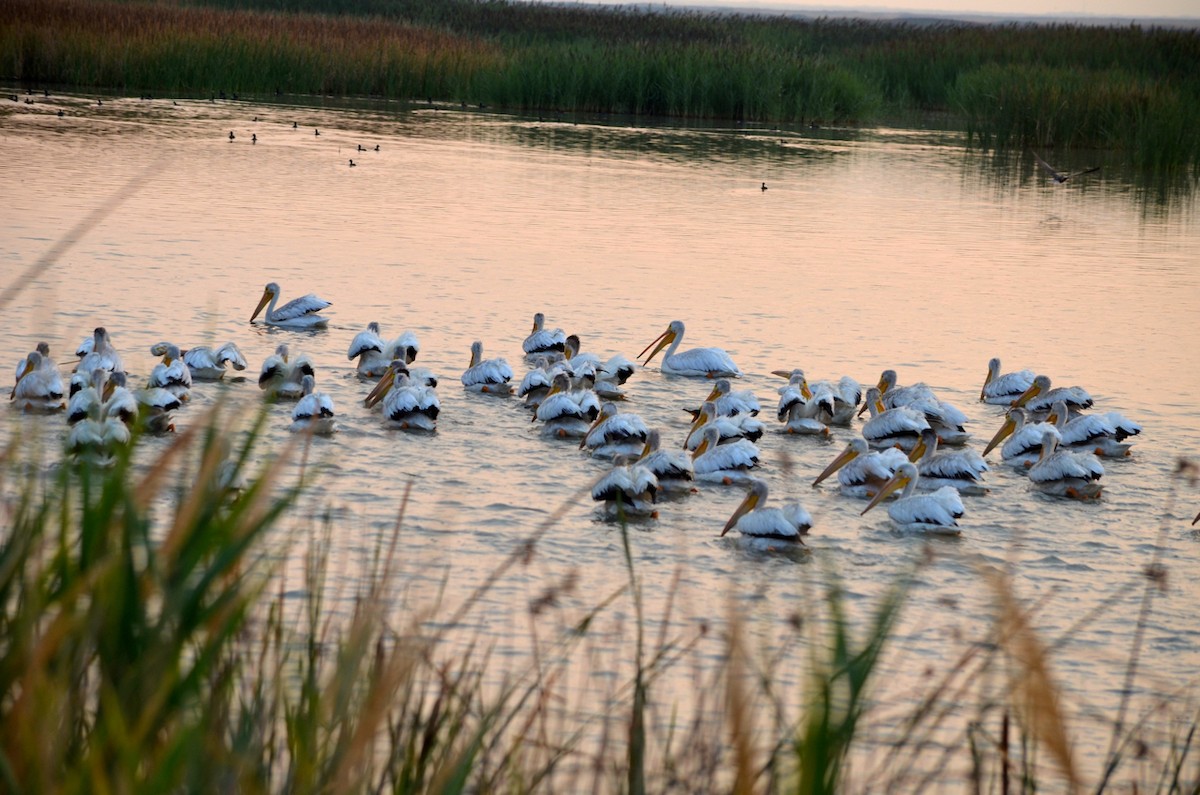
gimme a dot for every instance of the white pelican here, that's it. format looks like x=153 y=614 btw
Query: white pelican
x=206 y=364
x=739 y=426
x=154 y=405
x=1064 y=473
x=846 y=396
x=706 y=362
x=714 y=462
x=171 y=374
x=538 y=382
x=567 y=413
x=1002 y=390
x=627 y=490
x=961 y=469
x=1040 y=398
x=946 y=419
x=314 y=410
x=541 y=340
x=1025 y=446
x=490 y=376
x=407 y=404
x=862 y=472
x=799 y=410
x=281 y=375
x=1103 y=434
x=614 y=433
x=895 y=427
x=767 y=527
x=374 y=355
x=673 y=468
x=297 y=313
x=39 y=386
x=729 y=403
x=936 y=512
x=98 y=436
x=95 y=353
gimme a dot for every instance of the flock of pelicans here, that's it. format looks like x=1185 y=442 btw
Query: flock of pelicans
x=576 y=395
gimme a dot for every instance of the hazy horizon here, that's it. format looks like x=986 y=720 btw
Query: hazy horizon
x=1119 y=9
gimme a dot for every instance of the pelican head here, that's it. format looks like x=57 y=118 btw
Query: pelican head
x=927 y=445
x=32 y=362
x=1049 y=443
x=270 y=293
x=1040 y=384
x=395 y=368
x=857 y=447
x=887 y=381
x=653 y=442
x=606 y=411
x=282 y=351
x=373 y=327
x=755 y=497
x=1058 y=416
x=706 y=414
x=476 y=353
x=710 y=440
x=720 y=387
x=674 y=332
x=166 y=350
x=905 y=477
x=873 y=402
x=307 y=385
x=571 y=347
x=1012 y=423
x=992 y=374
x=796 y=377
x=539 y=322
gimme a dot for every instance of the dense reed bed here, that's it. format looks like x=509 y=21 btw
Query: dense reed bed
x=151 y=639
x=1130 y=89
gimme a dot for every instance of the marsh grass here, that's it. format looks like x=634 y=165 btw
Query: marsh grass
x=1014 y=86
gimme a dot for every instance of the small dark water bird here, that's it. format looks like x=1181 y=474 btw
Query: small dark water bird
x=253 y=138
x=360 y=148
x=353 y=164
x=60 y=113
x=376 y=147
x=295 y=125
x=1057 y=176
x=764 y=186
x=316 y=132
x=99 y=102
x=231 y=135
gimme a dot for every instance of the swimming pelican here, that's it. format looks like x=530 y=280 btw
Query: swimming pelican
x=538 y=382
x=206 y=364
x=740 y=426
x=1002 y=390
x=171 y=374
x=673 y=468
x=374 y=355
x=936 y=512
x=862 y=472
x=98 y=436
x=39 y=385
x=314 y=410
x=946 y=419
x=961 y=469
x=728 y=463
x=1058 y=176
x=627 y=490
x=846 y=395
x=98 y=352
x=706 y=362
x=297 y=313
x=567 y=413
x=895 y=427
x=407 y=404
x=540 y=340
x=799 y=410
x=788 y=523
x=490 y=376
x=1064 y=473
x=154 y=406
x=614 y=433
x=1039 y=397
x=729 y=403
x=1025 y=446
x=281 y=375
x=1103 y=434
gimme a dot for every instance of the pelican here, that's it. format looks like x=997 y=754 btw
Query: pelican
x=729 y=403
x=846 y=395
x=611 y=374
x=673 y=468
x=1059 y=177
x=98 y=352
x=281 y=376
x=706 y=362
x=895 y=427
x=314 y=410
x=936 y=512
x=1039 y=397
x=171 y=374
x=944 y=418
x=154 y=405
x=407 y=404
x=98 y=436
x=614 y=433
x=490 y=376
x=39 y=385
x=542 y=341
x=960 y=469
x=1103 y=434
x=297 y=313
x=567 y=413
x=1025 y=446
x=862 y=472
x=768 y=526
x=206 y=364
x=374 y=355
x=1064 y=473
x=627 y=490
x=740 y=426
x=1002 y=390
x=714 y=462
x=799 y=410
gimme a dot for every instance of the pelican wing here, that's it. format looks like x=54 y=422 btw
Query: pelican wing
x=489 y=371
x=926 y=510
x=790 y=521
x=299 y=307
x=366 y=340
x=741 y=454
x=701 y=361
x=619 y=368
x=669 y=464
x=954 y=465
x=1065 y=464
x=1008 y=387
x=894 y=422
x=544 y=340
x=1076 y=398
x=1123 y=426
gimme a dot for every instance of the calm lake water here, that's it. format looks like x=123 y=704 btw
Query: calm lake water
x=870 y=249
